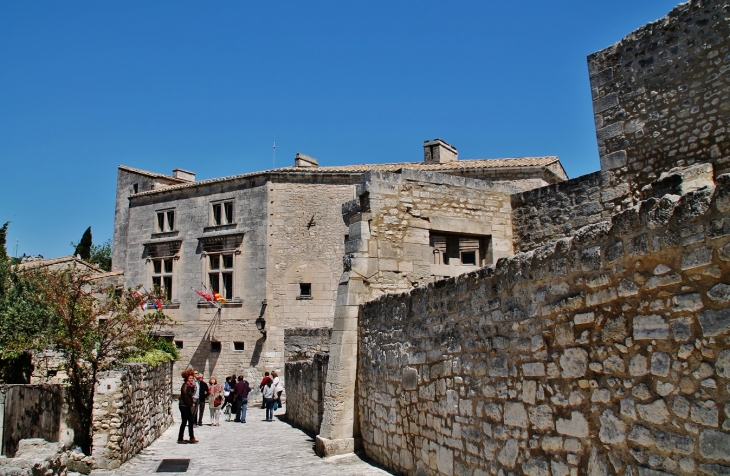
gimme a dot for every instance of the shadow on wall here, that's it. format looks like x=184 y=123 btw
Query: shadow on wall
x=205 y=351
x=256 y=356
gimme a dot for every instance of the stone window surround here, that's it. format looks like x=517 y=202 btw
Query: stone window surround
x=162 y=251
x=224 y=218
x=228 y=244
x=165 y=220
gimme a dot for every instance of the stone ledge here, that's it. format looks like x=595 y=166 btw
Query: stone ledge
x=326 y=447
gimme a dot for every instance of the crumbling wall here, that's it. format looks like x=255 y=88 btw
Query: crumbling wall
x=559 y=210
x=661 y=96
x=305 y=381
x=303 y=343
x=132 y=408
x=601 y=353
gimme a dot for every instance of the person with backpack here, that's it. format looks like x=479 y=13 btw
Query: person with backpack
x=278 y=389
x=242 y=390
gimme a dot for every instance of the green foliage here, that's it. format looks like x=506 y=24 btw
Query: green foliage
x=152 y=357
x=168 y=348
x=3 y=241
x=151 y=343
x=26 y=322
x=101 y=255
x=83 y=247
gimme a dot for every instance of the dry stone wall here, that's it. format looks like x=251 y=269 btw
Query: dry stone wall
x=661 y=95
x=559 y=210
x=305 y=381
x=132 y=408
x=607 y=352
x=302 y=343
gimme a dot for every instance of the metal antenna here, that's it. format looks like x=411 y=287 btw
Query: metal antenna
x=274 y=165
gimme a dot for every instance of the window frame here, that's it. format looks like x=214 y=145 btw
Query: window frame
x=164 y=278
x=220 y=271
x=165 y=220
x=225 y=211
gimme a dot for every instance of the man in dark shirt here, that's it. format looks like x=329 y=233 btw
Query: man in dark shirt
x=242 y=389
x=201 y=397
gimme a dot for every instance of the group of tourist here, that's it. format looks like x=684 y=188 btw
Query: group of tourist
x=231 y=396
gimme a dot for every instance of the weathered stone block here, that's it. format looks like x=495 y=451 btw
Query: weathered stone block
x=650 y=327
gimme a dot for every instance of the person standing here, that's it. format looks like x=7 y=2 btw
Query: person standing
x=196 y=396
x=242 y=390
x=186 y=407
x=202 y=394
x=215 y=394
x=278 y=389
x=268 y=393
x=264 y=381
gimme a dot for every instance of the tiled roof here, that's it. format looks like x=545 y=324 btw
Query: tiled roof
x=107 y=274
x=55 y=261
x=461 y=165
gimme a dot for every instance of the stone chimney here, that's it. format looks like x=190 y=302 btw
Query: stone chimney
x=438 y=151
x=302 y=160
x=183 y=175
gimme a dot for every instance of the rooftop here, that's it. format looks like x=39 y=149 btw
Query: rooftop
x=459 y=165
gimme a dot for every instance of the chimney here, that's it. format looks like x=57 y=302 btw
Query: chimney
x=438 y=151
x=302 y=160
x=184 y=175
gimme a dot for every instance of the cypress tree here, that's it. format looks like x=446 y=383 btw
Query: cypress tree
x=83 y=248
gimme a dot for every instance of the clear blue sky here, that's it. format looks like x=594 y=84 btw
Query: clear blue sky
x=207 y=86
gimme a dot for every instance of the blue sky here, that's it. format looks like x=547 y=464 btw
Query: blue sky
x=208 y=86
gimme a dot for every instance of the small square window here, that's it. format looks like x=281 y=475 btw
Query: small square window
x=215 y=346
x=305 y=290
x=51 y=373
x=102 y=322
x=179 y=344
x=222 y=213
x=469 y=258
x=238 y=346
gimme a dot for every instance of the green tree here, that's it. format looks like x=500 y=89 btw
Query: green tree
x=101 y=255
x=83 y=247
x=94 y=329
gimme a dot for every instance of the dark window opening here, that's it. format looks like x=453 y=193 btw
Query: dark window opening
x=469 y=258
x=220 y=276
x=217 y=214
x=222 y=213
x=228 y=208
x=347 y=238
x=238 y=346
x=51 y=373
x=102 y=322
x=135 y=188
x=305 y=290
x=179 y=344
x=215 y=346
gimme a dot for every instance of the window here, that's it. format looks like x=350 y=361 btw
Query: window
x=223 y=213
x=220 y=274
x=305 y=290
x=215 y=346
x=135 y=188
x=179 y=344
x=162 y=276
x=460 y=250
x=238 y=346
x=165 y=221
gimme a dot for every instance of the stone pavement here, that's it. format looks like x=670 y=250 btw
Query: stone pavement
x=251 y=448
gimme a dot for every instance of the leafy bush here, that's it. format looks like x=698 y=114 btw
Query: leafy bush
x=153 y=357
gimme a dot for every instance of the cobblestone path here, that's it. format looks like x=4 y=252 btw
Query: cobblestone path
x=255 y=447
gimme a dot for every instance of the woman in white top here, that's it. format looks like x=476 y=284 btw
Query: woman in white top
x=278 y=389
x=268 y=392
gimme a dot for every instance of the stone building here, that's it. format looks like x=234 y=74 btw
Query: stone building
x=274 y=243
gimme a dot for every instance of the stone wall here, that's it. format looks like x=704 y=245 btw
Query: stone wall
x=303 y=343
x=601 y=353
x=661 y=95
x=305 y=381
x=132 y=408
x=556 y=211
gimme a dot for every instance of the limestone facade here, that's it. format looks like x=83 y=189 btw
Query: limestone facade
x=274 y=245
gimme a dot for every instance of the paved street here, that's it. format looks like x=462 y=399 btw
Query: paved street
x=251 y=448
